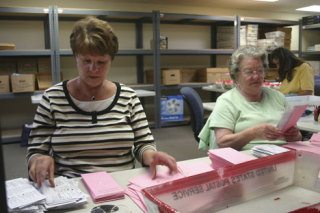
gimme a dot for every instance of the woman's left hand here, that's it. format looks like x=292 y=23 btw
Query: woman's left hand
x=292 y=134
x=154 y=158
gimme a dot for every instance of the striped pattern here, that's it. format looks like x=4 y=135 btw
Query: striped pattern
x=82 y=142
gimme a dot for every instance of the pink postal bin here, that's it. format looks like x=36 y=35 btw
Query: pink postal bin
x=223 y=187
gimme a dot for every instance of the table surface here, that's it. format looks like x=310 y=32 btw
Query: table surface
x=290 y=198
x=215 y=88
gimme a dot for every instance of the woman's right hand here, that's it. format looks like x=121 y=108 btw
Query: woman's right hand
x=267 y=131
x=41 y=167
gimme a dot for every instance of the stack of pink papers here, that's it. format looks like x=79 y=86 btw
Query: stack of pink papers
x=102 y=187
x=136 y=184
x=315 y=139
x=312 y=146
x=226 y=157
x=304 y=146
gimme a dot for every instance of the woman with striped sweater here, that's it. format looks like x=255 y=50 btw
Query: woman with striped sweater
x=89 y=123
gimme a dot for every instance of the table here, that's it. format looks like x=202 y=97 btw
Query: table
x=215 y=88
x=208 y=105
x=122 y=177
x=308 y=123
x=35 y=99
x=283 y=200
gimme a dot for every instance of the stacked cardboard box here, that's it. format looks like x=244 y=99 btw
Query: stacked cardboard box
x=252 y=34
x=213 y=74
x=44 y=76
x=287 y=36
x=25 y=71
x=243 y=35
x=22 y=82
x=4 y=84
x=173 y=76
x=225 y=37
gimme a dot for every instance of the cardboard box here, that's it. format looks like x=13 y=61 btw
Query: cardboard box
x=177 y=76
x=174 y=76
x=7 y=66
x=27 y=66
x=44 y=80
x=44 y=65
x=212 y=75
x=7 y=46
x=286 y=30
x=22 y=83
x=4 y=84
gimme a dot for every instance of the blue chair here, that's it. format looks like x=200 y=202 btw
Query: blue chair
x=317 y=85
x=194 y=103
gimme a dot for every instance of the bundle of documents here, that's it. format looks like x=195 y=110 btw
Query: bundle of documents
x=290 y=117
x=267 y=150
x=23 y=196
x=136 y=184
x=102 y=186
x=227 y=156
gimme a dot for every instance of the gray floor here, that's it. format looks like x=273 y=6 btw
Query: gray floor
x=176 y=141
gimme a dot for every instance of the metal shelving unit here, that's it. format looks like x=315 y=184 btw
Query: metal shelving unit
x=53 y=16
x=212 y=22
x=25 y=14
x=43 y=15
x=307 y=54
x=264 y=23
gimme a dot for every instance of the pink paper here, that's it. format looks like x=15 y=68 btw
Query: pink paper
x=290 y=118
x=137 y=197
x=315 y=139
x=194 y=168
x=163 y=176
x=227 y=156
x=102 y=186
x=303 y=146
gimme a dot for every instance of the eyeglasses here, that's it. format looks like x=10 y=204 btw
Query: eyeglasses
x=88 y=63
x=250 y=72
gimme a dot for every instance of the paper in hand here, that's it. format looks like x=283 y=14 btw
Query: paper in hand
x=290 y=117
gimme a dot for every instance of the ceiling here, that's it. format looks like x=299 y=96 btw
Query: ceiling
x=286 y=6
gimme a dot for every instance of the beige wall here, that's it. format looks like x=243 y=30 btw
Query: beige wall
x=145 y=6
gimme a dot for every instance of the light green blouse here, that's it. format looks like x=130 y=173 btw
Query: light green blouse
x=234 y=112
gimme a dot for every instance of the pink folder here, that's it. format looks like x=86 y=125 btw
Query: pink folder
x=102 y=187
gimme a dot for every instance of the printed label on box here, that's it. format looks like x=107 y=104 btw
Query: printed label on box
x=172 y=108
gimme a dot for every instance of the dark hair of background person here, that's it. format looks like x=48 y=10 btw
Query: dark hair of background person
x=3 y=197
x=287 y=62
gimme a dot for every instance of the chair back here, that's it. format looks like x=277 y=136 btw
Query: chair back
x=317 y=85
x=194 y=103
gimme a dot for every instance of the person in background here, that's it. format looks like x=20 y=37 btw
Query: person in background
x=89 y=123
x=295 y=75
x=247 y=115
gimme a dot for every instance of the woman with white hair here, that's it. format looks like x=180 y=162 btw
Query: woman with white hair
x=247 y=115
